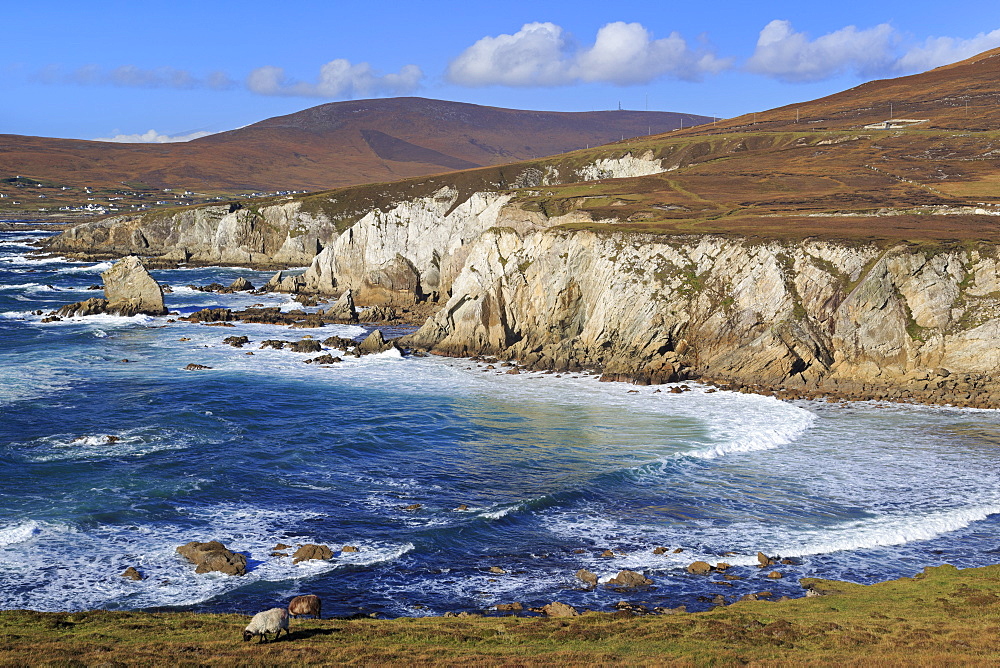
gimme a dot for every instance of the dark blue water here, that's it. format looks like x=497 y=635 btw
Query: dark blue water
x=263 y=449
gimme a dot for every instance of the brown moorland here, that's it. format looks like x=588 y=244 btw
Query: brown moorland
x=331 y=145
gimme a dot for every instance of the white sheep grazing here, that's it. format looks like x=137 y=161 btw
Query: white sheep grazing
x=269 y=621
x=307 y=604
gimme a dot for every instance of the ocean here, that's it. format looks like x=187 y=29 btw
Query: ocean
x=112 y=455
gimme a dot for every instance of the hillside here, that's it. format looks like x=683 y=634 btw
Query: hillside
x=853 y=261
x=328 y=146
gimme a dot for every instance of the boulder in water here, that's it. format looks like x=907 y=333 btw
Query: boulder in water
x=629 y=579
x=311 y=551
x=130 y=289
x=213 y=557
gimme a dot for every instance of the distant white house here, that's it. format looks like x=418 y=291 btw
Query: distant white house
x=895 y=124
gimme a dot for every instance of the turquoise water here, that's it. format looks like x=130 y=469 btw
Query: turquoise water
x=263 y=449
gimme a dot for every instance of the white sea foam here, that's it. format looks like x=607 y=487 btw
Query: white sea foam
x=85 y=269
x=57 y=567
x=128 y=443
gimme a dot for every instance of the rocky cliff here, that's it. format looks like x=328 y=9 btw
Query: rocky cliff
x=855 y=319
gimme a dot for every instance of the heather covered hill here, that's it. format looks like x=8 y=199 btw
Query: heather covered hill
x=961 y=96
x=332 y=145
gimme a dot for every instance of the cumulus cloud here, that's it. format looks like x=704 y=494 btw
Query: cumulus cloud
x=542 y=54
x=783 y=53
x=152 y=137
x=938 y=51
x=337 y=79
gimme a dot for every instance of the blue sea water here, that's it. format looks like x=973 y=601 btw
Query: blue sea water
x=553 y=470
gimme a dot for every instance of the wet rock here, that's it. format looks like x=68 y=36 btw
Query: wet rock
x=343 y=310
x=240 y=285
x=277 y=344
x=131 y=290
x=131 y=573
x=607 y=554
x=590 y=579
x=509 y=607
x=236 y=341
x=700 y=568
x=312 y=551
x=196 y=367
x=629 y=579
x=324 y=359
x=349 y=548
x=497 y=570
x=213 y=557
x=306 y=346
x=462 y=506
x=413 y=506
x=660 y=550
x=764 y=561
x=557 y=609
x=374 y=343
x=339 y=342
x=774 y=575
x=210 y=315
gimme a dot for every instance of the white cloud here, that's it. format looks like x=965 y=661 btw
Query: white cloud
x=152 y=137
x=938 y=51
x=787 y=55
x=542 y=54
x=337 y=79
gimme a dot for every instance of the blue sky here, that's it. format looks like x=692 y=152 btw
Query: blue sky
x=172 y=70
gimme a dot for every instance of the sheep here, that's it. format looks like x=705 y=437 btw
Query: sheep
x=268 y=621
x=307 y=604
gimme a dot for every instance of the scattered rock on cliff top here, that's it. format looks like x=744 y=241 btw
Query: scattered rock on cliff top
x=129 y=287
x=213 y=557
x=311 y=551
x=628 y=578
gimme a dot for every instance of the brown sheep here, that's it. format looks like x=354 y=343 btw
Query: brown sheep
x=307 y=604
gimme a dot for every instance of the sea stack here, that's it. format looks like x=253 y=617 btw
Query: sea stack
x=130 y=289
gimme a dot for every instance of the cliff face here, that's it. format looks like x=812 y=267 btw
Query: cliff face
x=850 y=318
x=276 y=234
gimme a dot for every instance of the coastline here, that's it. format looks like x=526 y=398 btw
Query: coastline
x=942 y=616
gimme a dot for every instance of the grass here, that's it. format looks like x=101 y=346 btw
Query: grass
x=942 y=617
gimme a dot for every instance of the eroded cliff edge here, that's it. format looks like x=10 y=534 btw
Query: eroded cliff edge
x=847 y=318
x=562 y=287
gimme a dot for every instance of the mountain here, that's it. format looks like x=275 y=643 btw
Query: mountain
x=331 y=145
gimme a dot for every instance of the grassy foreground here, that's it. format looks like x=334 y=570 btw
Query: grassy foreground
x=943 y=617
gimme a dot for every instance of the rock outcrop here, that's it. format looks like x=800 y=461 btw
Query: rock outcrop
x=128 y=289
x=882 y=321
x=213 y=557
